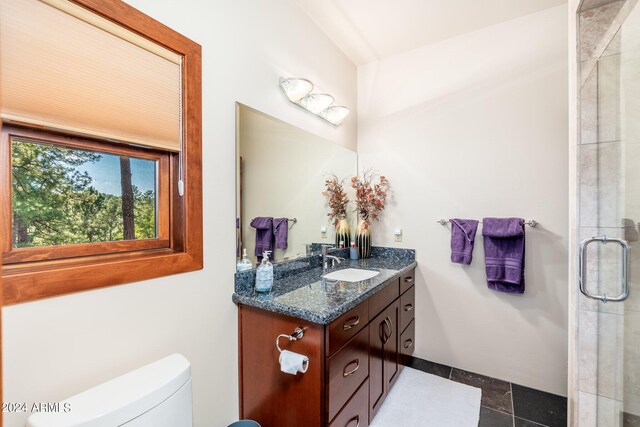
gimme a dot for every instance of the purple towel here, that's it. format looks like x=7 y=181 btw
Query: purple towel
x=281 y=231
x=504 y=253
x=463 y=233
x=265 y=239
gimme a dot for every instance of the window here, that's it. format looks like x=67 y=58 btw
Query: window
x=100 y=182
x=75 y=197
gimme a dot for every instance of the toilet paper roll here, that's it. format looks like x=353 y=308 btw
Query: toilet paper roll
x=292 y=363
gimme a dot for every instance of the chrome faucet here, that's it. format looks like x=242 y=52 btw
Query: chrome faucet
x=325 y=257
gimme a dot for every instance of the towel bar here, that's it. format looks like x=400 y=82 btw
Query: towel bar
x=530 y=223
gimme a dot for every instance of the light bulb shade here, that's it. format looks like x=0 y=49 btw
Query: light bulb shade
x=335 y=114
x=296 y=89
x=316 y=102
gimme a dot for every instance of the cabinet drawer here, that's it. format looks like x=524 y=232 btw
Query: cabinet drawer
x=380 y=300
x=407 y=280
x=407 y=308
x=346 y=326
x=407 y=342
x=356 y=411
x=347 y=369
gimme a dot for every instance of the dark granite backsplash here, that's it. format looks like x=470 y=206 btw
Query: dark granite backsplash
x=393 y=253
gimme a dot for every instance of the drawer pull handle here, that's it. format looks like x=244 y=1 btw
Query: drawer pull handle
x=356 y=419
x=408 y=343
x=346 y=373
x=408 y=279
x=408 y=307
x=353 y=322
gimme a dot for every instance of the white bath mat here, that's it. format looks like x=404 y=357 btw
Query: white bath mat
x=419 y=399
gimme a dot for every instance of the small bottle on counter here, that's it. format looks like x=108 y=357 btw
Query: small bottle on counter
x=264 y=274
x=341 y=246
x=353 y=251
x=245 y=263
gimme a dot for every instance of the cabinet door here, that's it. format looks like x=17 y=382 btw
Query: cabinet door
x=391 y=344
x=377 y=338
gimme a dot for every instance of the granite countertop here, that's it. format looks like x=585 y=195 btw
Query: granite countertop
x=298 y=290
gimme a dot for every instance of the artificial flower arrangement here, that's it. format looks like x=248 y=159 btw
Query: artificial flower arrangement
x=338 y=202
x=337 y=199
x=370 y=196
x=370 y=200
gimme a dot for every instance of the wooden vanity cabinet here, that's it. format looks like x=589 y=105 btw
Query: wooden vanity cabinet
x=353 y=362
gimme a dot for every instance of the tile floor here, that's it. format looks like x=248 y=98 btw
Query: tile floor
x=504 y=404
x=630 y=420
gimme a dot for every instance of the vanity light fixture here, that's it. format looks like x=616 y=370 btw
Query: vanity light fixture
x=335 y=114
x=298 y=91
x=317 y=102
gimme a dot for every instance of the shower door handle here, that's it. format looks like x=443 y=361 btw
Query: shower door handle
x=582 y=268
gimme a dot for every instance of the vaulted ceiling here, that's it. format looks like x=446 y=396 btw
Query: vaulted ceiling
x=367 y=30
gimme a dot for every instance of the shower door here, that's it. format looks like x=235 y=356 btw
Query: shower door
x=608 y=305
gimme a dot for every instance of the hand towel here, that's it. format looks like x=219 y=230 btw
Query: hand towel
x=281 y=231
x=463 y=234
x=504 y=253
x=265 y=239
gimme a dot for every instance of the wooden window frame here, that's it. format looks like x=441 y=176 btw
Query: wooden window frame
x=13 y=255
x=182 y=250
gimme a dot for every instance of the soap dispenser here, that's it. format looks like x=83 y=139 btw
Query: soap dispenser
x=245 y=263
x=264 y=274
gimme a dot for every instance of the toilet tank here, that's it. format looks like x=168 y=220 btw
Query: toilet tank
x=156 y=395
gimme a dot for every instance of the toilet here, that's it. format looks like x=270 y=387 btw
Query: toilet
x=156 y=395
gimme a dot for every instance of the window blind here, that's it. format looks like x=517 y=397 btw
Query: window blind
x=66 y=68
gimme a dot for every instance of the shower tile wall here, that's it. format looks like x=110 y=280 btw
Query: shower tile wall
x=609 y=203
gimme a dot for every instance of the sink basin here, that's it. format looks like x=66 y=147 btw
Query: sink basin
x=351 y=275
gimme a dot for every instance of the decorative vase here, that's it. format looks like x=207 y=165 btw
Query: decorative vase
x=363 y=239
x=343 y=233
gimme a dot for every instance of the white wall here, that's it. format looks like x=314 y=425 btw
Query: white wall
x=476 y=126
x=60 y=346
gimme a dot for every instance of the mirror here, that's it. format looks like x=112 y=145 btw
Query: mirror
x=280 y=173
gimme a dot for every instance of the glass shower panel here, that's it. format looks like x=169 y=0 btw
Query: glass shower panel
x=630 y=134
x=608 y=377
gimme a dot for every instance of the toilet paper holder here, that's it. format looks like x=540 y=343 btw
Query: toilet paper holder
x=297 y=334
